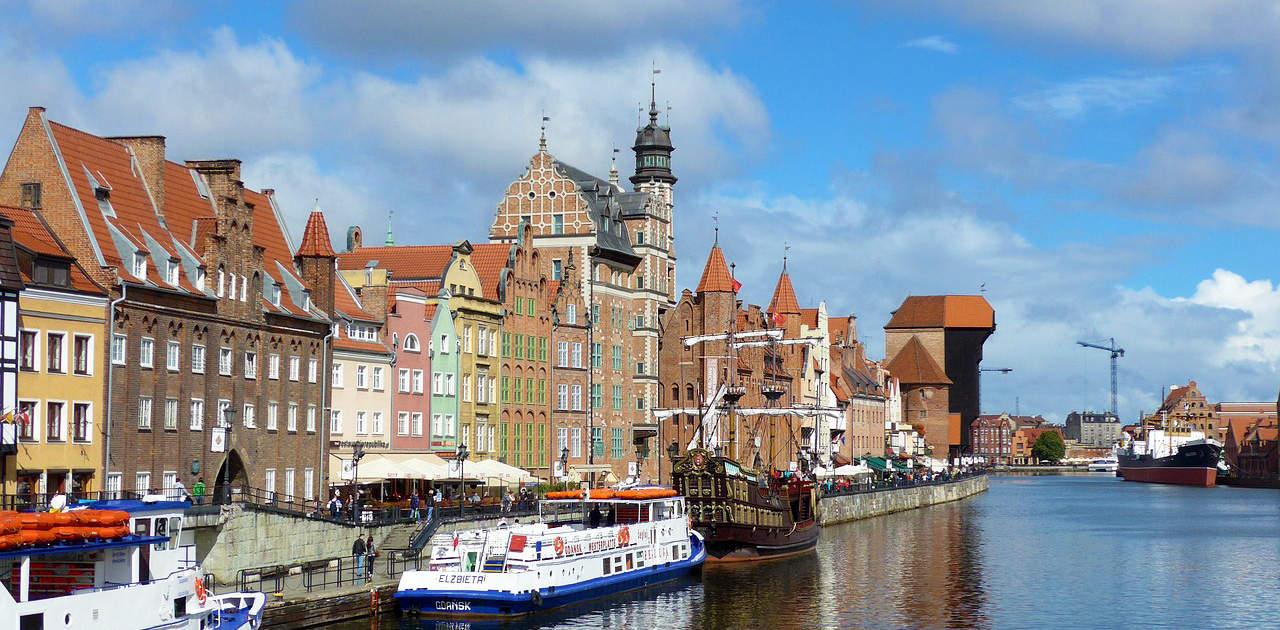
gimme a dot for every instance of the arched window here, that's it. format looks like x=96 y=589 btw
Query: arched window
x=675 y=393
x=411 y=343
x=688 y=391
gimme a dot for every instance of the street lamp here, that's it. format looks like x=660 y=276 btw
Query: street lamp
x=357 y=453
x=673 y=450
x=564 y=462
x=228 y=421
x=462 y=477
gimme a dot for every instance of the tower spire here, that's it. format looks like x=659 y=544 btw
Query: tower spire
x=653 y=94
x=715 y=219
x=391 y=240
x=542 y=141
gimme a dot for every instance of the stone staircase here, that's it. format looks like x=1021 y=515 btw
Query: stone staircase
x=397 y=536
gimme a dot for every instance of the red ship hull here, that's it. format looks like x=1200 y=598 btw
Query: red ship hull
x=1191 y=476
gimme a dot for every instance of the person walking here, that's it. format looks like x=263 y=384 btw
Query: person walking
x=358 y=550
x=431 y=506
x=370 y=553
x=414 y=504
x=198 y=490
x=506 y=503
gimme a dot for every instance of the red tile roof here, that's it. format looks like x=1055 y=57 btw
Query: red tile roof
x=914 y=365
x=31 y=233
x=809 y=317
x=838 y=327
x=315 y=238
x=715 y=275
x=943 y=311
x=784 y=297
x=405 y=262
x=489 y=260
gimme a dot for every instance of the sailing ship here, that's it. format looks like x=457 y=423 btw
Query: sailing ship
x=747 y=513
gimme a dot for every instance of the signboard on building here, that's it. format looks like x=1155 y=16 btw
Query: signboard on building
x=218 y=440
x=348 y=470
x=632 y=469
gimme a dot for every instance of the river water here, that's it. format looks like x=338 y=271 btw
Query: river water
x=1064 y=551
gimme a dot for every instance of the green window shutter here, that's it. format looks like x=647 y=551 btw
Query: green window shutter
x=528 y=391
x=504 y=390
x=542 y=392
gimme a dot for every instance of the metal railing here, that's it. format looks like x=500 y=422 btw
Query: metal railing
x=894 y=484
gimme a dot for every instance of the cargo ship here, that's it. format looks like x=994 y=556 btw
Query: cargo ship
x=1172 y=455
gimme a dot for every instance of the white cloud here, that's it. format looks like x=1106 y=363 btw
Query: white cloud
x=1116 y=93
x=936 y=43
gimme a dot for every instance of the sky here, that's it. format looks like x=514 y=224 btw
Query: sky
x=1096 y=169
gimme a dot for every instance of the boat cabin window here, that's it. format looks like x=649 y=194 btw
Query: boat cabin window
x=142 y=527
x=162 y=529
x=606 y=566
x=175 y=529
x=630 y=562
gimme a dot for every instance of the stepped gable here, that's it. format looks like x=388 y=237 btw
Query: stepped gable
x=122 y=219
x=715 y=275
x=914 y=365
x=943 y=311
x=315 y=238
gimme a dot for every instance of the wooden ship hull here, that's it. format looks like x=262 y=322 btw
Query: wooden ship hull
x=741 y=518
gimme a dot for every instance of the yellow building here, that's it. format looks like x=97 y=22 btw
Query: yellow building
x=61 y=369
x=472 y=278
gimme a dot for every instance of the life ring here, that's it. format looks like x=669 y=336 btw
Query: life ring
x=624 y=537
x=201 y=593
x=559 y=545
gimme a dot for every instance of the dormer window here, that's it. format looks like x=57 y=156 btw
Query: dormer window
x=275 y=294
x=139 y=265
x=171 y=274
x=306 y=300
x=54 y=272
x=202 y=277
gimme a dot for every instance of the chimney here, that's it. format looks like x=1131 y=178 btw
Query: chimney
x=223 y=176
x=149 y=152
x=374 y=299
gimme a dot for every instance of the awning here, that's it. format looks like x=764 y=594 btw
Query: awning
x=877 y=463
x=383 y=466
x=849 y=470
x=492 y=468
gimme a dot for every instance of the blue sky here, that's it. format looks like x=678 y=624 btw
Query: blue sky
x=1106 y=169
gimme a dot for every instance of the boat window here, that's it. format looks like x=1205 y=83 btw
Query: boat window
x=175 y=528
x=630 y=563
x=142 y=527
x=606 y=566
x=162 y=529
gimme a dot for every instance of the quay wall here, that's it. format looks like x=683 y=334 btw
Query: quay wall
x=841 y=509
x=247 y=539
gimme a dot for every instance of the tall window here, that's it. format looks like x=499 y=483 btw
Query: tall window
x=295 y=365
x=417 y=424
x=251 y=365
x=146 y=352
x=362 y=425
x=197 y=359
x=82 y=424
x=571 y=313
x=597 y=441
x=482 y=341
x=27 y=410
x=557 y=224
x=273 y=367
x=362 y=377
x=308 y=483
x=118 y=349
x=171 y=414
x=615 y=443
x=313 y=371
x=376 y=423
x=335 y=421
x=377 y=378
x=597 y=355
x=557 y=270
x=144 y=412
x=172 y=356
x=597 y=396
x=562 y=440
x=562 y=396
x=142 y=482
x=417 y=383
x=273 y=416
x=617 y=357
x=27 y=341
x=82 y=355
x=337 y=375
x=403 y=381
x=562 y=353
x=617 y=397
x=576 y=445
x=197 y=414
x=250 y=416
x=224 y=361
x=577 y=398
x=311 y=418
x=292 y=425
x=402 y=423
x=54 y=422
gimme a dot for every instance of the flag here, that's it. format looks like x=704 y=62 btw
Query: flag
x=779 y=319
x=24 y=417
x=736 y=285
x=455 y=542
x=7 y=417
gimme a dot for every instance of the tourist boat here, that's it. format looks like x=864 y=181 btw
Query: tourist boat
x=124 y=565
x=744 y=515
x=1106 y=464
x=1174 y=455
x=572 y=553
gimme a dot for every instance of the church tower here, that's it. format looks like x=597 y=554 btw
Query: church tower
x=653 y=155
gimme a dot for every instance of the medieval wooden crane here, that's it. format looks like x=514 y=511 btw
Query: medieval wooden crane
x=1115 y=354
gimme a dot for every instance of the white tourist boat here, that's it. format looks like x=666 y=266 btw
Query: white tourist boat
x=580 y=548
x=1106 y=464
x=82 y=569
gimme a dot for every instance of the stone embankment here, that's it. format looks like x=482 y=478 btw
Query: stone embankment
x=852 y=507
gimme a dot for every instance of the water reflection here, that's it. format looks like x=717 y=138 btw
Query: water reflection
x=1080 y=552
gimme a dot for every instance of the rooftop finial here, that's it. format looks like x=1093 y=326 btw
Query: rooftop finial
x=715 y=219
x=542 y=142
x=316 y=207
x=653 y=94
x=613 y=167
x=786 y=252
x=391 y=240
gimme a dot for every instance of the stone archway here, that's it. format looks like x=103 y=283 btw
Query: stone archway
x=231 y=474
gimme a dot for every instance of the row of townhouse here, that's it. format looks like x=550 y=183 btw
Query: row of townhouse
x=168 y=329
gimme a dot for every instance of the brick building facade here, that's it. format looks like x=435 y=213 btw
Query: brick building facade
x=205 y=285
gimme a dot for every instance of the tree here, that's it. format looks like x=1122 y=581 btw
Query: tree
x=1049 y=447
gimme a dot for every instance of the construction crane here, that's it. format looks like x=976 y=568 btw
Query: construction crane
x=1115 y=354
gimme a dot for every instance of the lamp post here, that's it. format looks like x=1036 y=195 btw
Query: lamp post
x=673 y=450
x=228 y=421
x=564 y=462
x=462 y=477
x=357 y=454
